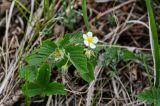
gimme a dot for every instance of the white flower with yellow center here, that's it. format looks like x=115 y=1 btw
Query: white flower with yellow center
x=90 y=40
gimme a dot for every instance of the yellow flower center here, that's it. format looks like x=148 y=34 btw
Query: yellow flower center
x=90 y=39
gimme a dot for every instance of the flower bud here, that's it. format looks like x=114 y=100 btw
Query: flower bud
x=58 y=54
x=89 y=53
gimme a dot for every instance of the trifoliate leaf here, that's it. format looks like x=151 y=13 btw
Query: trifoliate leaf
x=42 y=86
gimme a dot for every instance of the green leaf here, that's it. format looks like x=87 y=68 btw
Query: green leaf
x=29 y=73
x=71 y=39
x=41 y=54
x=77 y=58
x=62 y=62
x=41 y=85
x=127 y=55
x=44 y=75
x=154 y=40
x=32 y=89
x=54 y=88
x=91 y=70
x=112 y=56
x=150 y=96
x=89 y=76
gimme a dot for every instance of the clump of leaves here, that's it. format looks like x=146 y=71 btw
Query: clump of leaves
x=150 y=96
x=40 y=84
x=111 y=20
x=63 y=52
x=69 y=14
x=112 y=56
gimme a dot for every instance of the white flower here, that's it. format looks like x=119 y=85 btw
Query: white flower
x=90 y=40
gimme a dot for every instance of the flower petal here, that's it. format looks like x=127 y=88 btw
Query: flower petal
x=86 y=42
x=84 y=36
x=89 y=34
x=93 y=46
x=95 y=40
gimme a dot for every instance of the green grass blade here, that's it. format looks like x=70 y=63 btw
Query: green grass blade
x=52 y=9
x=154 y=41
x=46 y=9
x=85 y=17
x=23 y=6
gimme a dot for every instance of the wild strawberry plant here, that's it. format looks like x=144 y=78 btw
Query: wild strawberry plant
x=61 y=53
x=78 y=50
